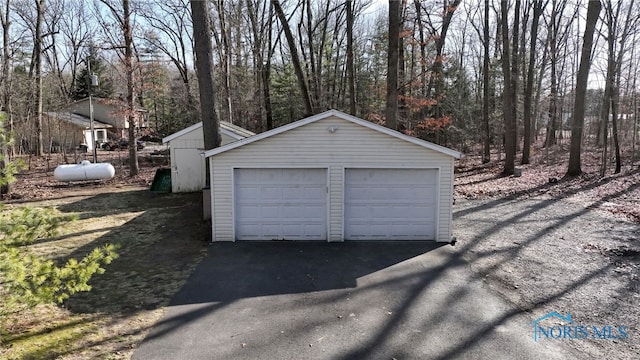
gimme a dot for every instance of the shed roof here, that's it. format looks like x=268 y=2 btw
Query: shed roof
x=226 y=128
x=340 y=115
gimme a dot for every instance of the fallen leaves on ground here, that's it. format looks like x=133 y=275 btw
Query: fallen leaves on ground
x=617 y=194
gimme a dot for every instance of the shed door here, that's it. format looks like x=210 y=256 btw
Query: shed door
x=280 y=204
x=188 y=170
x=390 y=204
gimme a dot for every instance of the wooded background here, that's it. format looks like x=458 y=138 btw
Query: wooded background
x=493 y=78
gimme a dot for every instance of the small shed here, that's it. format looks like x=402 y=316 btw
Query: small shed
x=186 y=148
x=331 y=177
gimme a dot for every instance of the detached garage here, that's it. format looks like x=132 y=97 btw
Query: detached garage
x=186 y=148
x=331 y=177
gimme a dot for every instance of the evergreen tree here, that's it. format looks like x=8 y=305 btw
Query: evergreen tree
x=28 y=279
x=82 y=80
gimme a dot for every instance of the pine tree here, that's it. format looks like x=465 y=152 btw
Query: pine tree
x=27 y=279
x=82 y=80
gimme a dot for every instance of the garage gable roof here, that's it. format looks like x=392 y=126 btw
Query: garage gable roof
x=340 y=115
x=226 y=128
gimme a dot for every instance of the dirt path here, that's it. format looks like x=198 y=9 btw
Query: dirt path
x=556 y=255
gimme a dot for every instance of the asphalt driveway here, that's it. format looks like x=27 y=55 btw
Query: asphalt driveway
x=285 y=300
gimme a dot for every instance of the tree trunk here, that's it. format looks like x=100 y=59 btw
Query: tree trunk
x=553 y=101
x=258 y=62
x=204 y=67
x=226 y=58
x=391 y=110
x=266 y=76
x=37 y=54
x=515 y=76
x=131 y=111
x=350 y=67
x=304 y=90
x=509 y=123
x=614 y=128
x=528 y=91
x=6 y=92
x=606 y=109
x=581 y=90
x=486 y=153
x=423 y=48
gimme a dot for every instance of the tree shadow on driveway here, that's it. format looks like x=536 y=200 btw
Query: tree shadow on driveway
x=249 y=269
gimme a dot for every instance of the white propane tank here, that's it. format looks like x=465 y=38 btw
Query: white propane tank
x=84 y=171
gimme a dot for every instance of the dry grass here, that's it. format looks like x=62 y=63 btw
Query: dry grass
x=161 y=239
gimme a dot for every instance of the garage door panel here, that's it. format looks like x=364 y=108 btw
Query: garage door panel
x=315 y=212
x=291 y=203
x=247 y=193
x=316 y=192
x=390 y=204
x=268 y=213
x=249 y=212
x=270 y=231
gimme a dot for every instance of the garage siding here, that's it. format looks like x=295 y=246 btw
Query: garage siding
x=313 y=145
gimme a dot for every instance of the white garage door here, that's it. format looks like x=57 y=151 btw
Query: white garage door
x=277 y=204
x=390 y=204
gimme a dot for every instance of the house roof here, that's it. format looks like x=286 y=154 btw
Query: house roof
x=226 y=128
x=78 y=120
x=105 y=101
x=340 y=115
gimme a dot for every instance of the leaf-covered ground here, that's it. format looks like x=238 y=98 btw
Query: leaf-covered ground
x=614 y=193
x=37 y=182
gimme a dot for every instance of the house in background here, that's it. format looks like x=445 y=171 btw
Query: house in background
x=68 y=130
x=70 y=126
x=331 y=177
x=186 y=148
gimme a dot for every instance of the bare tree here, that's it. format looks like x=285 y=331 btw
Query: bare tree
x=509 y=116
x=391 y=109
x=574 y=168
x=538 y=6
x=618 y=30
x=6 y=93
x=223 y=41
x=123 y=19
x=486 y=152
x=515 y=80
x=293 y=49
x=350 y=67
x=263 y=48
x=37 y=64
x=171 y=34
x=76 y=32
